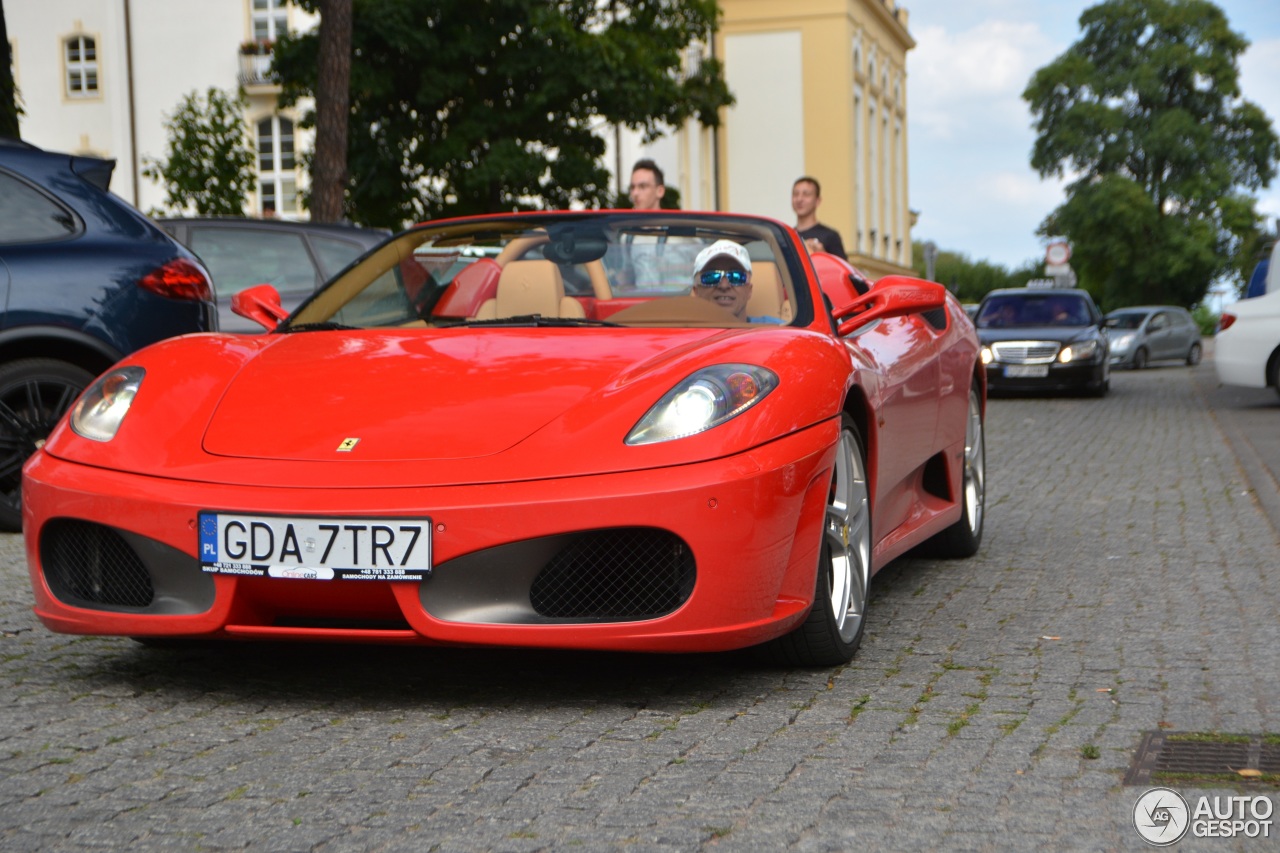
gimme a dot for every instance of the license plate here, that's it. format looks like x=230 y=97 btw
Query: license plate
x=1026 y=371
x=315 y=548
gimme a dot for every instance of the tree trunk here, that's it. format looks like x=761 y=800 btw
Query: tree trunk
x=333 y=109
x=8 y=94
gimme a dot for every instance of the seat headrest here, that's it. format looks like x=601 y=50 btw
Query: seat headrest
x=530 y=287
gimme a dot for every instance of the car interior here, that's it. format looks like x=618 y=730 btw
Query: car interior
x=633 y=270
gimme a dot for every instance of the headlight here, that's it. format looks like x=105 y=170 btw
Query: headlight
x=1078 y=351
x=986 y=355
x=706 y=399
x=100 y=410
x=1122 y=341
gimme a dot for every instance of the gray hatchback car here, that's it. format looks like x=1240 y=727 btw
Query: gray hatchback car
x=1142 y=334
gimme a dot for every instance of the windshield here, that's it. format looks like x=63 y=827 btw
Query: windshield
x=583 y=269
x=1126 y=320
x=1021 y=310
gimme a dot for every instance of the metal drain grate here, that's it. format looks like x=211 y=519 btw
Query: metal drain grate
x=1185 y=756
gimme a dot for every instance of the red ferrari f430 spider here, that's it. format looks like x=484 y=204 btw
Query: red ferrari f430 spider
x=653 y=431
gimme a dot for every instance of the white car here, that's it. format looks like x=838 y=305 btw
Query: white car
x=1247 y=345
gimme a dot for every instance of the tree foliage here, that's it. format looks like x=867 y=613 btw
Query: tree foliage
x=209 y=168
x=488 y=105
x=970 y=280
x=1145 y=112
x=10 y=107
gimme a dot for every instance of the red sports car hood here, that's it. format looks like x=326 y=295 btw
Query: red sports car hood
x=414 y=408
x=449 y=396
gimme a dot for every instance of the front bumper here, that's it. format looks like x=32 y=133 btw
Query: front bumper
x=731 y=546
x=1058 y=377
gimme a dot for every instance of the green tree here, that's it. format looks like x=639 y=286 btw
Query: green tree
x=970 y=280
x=209 y=169
x=467 y=106
x=1146 y=109
x=9 y=102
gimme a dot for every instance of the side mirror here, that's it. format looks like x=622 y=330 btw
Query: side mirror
x=891 y=296
x=261 y=304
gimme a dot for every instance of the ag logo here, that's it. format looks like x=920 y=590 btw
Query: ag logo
x=348 y=445
x=1161 y=816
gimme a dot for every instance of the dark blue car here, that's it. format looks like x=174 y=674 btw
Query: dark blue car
x=86 y=279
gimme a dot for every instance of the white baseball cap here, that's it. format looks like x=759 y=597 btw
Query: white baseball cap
x=727 y=248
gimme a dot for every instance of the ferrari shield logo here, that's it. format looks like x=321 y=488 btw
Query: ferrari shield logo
x=348 y=445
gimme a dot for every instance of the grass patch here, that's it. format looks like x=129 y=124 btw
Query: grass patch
x=1271 y=780
x=1210 y=737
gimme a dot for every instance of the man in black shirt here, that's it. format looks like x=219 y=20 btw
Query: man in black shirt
x=806 y=195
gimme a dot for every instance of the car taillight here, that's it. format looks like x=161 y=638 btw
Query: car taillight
x=179 y=279
x=1225 y=321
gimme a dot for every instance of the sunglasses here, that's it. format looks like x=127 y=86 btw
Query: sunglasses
x=711 y=278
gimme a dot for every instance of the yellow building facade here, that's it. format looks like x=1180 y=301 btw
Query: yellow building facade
x=820 y=89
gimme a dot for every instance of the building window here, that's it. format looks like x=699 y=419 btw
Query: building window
x=277 y=180
x=270 y=20
x=81 y=56
x=874 y=173
x=860 y=181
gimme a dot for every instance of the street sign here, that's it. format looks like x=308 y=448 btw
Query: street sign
x=1057 y=254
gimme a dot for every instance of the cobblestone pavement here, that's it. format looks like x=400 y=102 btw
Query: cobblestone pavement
x=1123 y=586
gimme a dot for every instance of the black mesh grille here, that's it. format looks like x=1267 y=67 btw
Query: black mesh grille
x=615 y=574
x=88 y=563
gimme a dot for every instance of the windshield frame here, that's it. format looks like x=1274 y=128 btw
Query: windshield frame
x=574 y=240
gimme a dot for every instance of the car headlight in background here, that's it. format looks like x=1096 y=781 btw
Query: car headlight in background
x=1079 y=351
x=101 y=409
x=986 y=355
x=704 y=400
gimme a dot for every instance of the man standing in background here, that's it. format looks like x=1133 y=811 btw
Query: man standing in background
x=806 y=195
x=641 y=266
x=647 y=186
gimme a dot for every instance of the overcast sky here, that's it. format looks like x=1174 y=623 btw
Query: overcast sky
x=969 y=130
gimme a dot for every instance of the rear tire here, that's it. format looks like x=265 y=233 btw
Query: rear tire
x=833 y=630
x=34 y=395
x=964 y=538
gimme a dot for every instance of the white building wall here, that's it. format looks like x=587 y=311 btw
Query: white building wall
x=765 y=127
x=178 y=46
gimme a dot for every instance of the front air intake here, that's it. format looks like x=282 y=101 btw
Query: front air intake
x=90 y=565
x=626 y=573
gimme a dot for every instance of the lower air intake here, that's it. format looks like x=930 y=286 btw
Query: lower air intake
x=628 y=573
x=90 y=564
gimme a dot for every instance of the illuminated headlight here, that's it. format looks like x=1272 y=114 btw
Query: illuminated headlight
x=704 y=400
x=1078 y=352
x=102 y=407
x=987 y=356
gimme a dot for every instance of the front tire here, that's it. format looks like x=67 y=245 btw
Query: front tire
x=34 y=395
x=833 y=630
x=1140 y=358
x=1194 y=354
x=963 y=538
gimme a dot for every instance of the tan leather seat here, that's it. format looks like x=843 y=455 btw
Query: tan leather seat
x=530 y=287
x=768 y=298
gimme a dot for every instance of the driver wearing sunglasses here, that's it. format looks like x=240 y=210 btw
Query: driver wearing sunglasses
x=722 y=274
